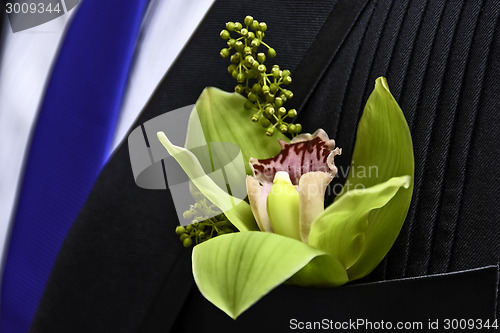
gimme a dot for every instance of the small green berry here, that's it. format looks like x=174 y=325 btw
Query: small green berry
x=248 y=20
x=281 y=111
x=187 y=242
x=261 y=68
x=270 y=131
x=183 y=237
x=255 y=25
x=283 y=128
x=265 y=89
x=274 y=87
x=237 y=26
x=235 y=73
x=252 y=97
x=244 y=31
x=271 y=52
x=286 y=73
x=263 y=26
x=269 y=111
x=255 y=118
x=287 y=80
x=225 y=34
x=235 y=58
x=255 y=43
x=230 y=26
x=256 y=88
x=292 y=128
x=239 y=88
x=224 y=53
x=278 y=101
x=180 y=230
x=231 y=42
x=189 y=228
x=269 y=97
x=231 y=68
x=250 y=35
x=292 y=113
x=276 y=73
x=247 y=50
x=239 y=45
x=289 y=94
x=261 y=57
x=298 y=128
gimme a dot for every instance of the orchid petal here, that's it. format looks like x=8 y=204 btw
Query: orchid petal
x=257 y=196
x=234 y=271
x=236 y=210
x=346 y=228
x=224 y=118
x=383 y=144
x=312 y=186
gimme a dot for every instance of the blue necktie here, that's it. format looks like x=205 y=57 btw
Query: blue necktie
x=70 y=143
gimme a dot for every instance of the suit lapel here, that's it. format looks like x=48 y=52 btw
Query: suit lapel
x=122 y=261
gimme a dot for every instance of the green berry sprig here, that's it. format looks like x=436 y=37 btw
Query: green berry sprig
x=263 y=89
x=202 y=228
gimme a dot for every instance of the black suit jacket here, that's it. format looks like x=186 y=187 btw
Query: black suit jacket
x=122 y=267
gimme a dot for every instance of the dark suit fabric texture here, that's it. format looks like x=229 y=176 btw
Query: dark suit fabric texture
x=122 y=267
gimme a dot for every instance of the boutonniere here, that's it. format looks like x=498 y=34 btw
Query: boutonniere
x=263 y=222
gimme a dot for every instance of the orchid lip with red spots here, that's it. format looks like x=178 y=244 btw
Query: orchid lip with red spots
x=308 y=160
x=305 y=153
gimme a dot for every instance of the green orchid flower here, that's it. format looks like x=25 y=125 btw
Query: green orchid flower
x=286 y=233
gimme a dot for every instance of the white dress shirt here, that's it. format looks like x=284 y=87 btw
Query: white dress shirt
x=25 y=65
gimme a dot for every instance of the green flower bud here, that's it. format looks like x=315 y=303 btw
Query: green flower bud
x=240 y=77
x=286 y=73
x=189 y=228
x=248 y=105
x=255 y=118
x=271 y=52
x=261 y=57
x=289 y=94
x=225 y=34
x=269 y=97
x=281 y=111
x=252 y=97
x=278 y=101
x=292 y=113
x=249 y=60
x=270 y=131
x=265 y=89
x=231 y=42
x=244 y=31
x=292 y=128
x=276 y=73
x=247 y=50
x=237 y=26
x=283 y=206
x=259 y=34
x=287 y=80
x=261 y=68
x=183 y=237
x=256 y=88
x=274 y=87
x=235 y=58
x=231 y=68
x=239 y=88
x=224 y=53
x=230 y=26
x=250 y=35
x=239 y=45
x=255 y=25
x=187 y=242
x=255 y=43
x=262 y=26
x=298 y=128
x=283 y=128
x=269 y=111
x=235 y=73
x=180 y=229
x=248 y=20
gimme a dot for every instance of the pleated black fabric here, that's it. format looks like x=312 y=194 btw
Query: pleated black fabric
x=442 y=65
x=122 y=264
